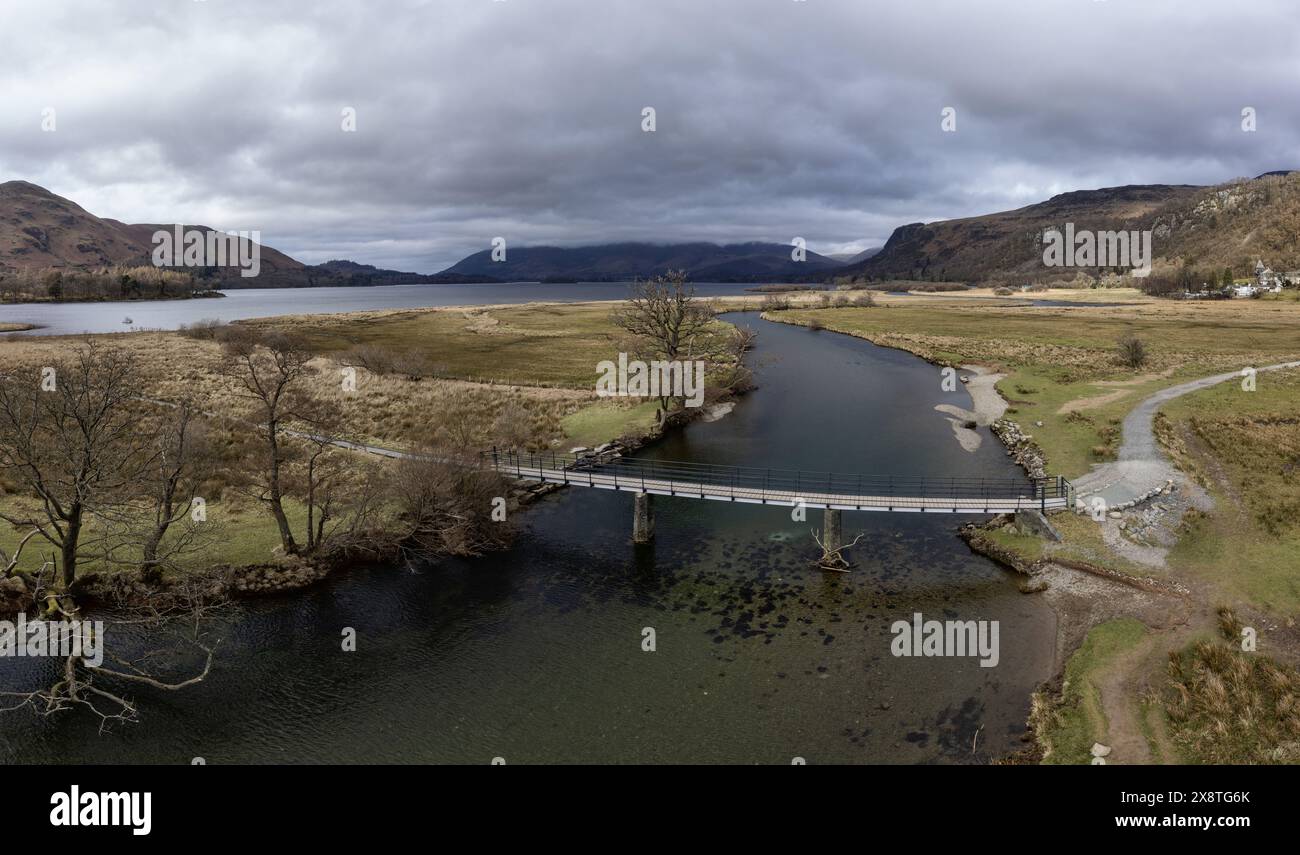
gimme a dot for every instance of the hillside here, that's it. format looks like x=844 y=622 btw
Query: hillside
x=1233 y=225
x=40 y=230
x=704 y=262
x=1009 y=242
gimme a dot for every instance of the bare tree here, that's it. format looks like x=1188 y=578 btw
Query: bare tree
x=832 y=559
x=445 y=507
x=173 y=651
x=667 y=322
x=68 y=437
x=267 y=371
x=180 y=463
x=323 y=466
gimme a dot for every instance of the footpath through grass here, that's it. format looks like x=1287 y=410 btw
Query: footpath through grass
x=1069 y=729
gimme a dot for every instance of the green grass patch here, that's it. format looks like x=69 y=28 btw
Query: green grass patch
x=1029 y=547
x=1071 y=728
x=240 y=535
x=607 y=420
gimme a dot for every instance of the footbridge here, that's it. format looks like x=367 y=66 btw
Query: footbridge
x=834 y=492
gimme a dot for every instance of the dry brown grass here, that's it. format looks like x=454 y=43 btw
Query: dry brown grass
x=386 y=410
x=1228 y=706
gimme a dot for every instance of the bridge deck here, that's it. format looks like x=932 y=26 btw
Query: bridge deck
x=789 y=488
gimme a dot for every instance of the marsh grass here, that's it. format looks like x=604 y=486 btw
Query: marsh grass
x=1229 y=706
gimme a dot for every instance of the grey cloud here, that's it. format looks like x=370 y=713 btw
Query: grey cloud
x=522 y=118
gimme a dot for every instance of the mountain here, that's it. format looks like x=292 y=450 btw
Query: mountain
x=39 y=229
x=1229 y=225
x=704 y=262
x=1232 y=225
x=1010 y=242
x=352 y=274
x=854 y=257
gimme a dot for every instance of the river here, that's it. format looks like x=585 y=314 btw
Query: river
x=535 y=654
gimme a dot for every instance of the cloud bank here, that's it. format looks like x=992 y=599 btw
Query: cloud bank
x=523 y=118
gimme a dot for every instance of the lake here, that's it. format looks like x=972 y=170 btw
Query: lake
x=238 y=304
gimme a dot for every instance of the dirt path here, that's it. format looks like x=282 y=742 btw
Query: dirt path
x=1083 y=600
x=1120 y=704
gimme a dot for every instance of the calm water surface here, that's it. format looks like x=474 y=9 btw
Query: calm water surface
x=76 y=318
x=535 y=654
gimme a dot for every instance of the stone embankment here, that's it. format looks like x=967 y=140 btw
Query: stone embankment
x=1020 y=447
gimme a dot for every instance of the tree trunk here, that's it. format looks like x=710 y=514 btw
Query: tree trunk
x=275 y=500
x=149 y=564
x=71 y=540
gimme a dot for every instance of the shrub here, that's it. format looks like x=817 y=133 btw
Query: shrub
x=1132 y=351
x=205 y=328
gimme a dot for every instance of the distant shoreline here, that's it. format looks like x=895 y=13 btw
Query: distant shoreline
x=197 y=295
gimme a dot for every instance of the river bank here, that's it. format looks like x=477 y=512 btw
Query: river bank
x=383 y=409
x=35 y=300
x=1154 y=541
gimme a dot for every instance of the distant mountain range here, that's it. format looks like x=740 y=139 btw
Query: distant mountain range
x=854 y=257
x=618 y=262
x=1228 y=225
x=39 y=229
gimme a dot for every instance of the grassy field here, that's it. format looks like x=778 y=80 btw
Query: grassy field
x=1244 y=447
x=534 y=364
x=532 y=344
x=1229 y=706
x=241 y=533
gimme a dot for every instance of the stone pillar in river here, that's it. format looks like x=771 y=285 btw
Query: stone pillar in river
x=832 y=539
x=643 y=520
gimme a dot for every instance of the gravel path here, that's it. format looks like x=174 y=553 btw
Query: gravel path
x=1142 y=465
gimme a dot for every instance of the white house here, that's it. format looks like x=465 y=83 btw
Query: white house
x=1266 y=281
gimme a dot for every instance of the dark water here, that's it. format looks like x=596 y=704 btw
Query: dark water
x=75 y=318
x=534 y=655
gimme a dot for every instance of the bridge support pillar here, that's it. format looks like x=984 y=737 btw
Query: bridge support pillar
x=643 y=520
x=832 y=536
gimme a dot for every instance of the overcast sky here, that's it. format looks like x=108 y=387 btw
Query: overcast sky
x=523 y=118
